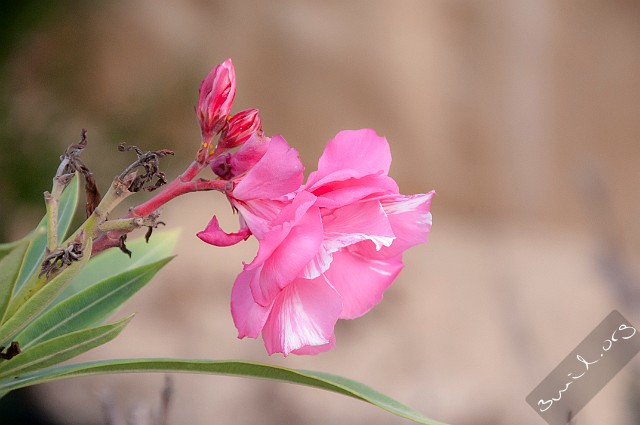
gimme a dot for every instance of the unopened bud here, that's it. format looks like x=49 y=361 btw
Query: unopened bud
x=216 y=96
x=240 y=128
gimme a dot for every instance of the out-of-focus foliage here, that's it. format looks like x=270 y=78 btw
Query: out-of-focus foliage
x=21 y=163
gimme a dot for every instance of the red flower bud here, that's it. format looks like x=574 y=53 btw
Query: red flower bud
x=216 y=96
x=240 y=128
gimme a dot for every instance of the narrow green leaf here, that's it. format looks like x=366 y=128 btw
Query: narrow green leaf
x=35 y=252
x=89 y=306
x=320 y=380
x=60 y=349
x=9 y=269
x=24 y=314
x=113 y=261
x=34 y=255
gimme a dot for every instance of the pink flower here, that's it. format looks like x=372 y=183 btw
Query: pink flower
x=327 y=251
x=217 y=91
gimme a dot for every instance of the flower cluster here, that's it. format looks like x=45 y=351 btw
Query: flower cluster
x=328 y=248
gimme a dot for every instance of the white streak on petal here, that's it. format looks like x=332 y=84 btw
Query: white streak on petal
x=297 y=328
x=319 y=264
x=382 y=272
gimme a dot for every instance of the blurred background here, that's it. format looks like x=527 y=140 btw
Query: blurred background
x=523 y=115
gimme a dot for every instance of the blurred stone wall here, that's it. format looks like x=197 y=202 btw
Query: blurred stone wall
x=523 y=115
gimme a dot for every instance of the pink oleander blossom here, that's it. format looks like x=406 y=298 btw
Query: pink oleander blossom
x=328 y=249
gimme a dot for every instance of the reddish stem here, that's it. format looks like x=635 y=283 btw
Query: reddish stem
x=168 y=192
x=181 y=185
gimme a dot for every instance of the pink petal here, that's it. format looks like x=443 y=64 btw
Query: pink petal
x=303 y=314
x=338 y=193
x=214 y=235
x=280 y=224
x=288 y=259
x=362 y=221
x=276 y=174
x=309 y=350
x=318 y=264
x=409 y=216
x=249 y=154
x=293 y=211
x=410 y=220
x=259 y=213
x=361 y=281
x=361 y=151
x=355 y=223
x=248 y=316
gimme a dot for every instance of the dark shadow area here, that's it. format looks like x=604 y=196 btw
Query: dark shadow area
x=18 y=408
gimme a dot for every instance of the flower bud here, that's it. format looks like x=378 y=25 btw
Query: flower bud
x=217 y=91
x=240 y=128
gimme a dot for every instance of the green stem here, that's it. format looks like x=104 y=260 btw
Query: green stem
x=126 y=224
x=52 y=202
x=52 y=220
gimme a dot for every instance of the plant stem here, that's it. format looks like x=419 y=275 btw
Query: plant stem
x=52 y=202
x=181 y=185
x=52 y=220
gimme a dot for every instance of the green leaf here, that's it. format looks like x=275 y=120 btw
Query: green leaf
x=9 y=269
x=320 y=380
x=67 y=207
x=113 y=261
x=35 y=252
x=34 y=255
x=89 y=306
x=60 y=349
x=6 y=248
x=41 y=298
